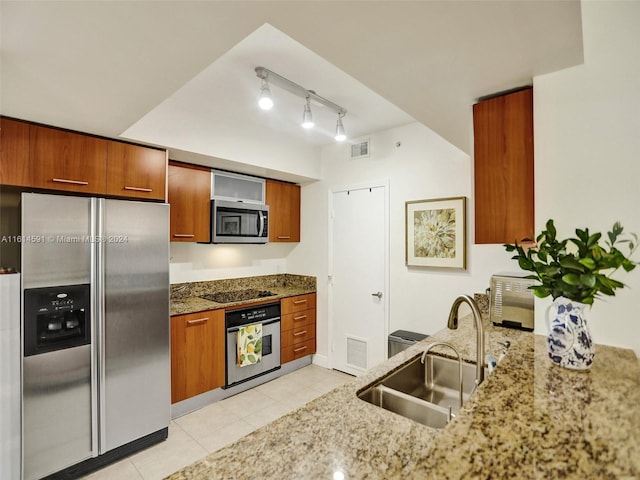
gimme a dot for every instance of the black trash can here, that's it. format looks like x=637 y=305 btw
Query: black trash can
x=402 y=339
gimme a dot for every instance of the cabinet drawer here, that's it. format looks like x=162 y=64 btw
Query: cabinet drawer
x=298 y=303
x=293 y=352
x=298 y=335
x=299 y=319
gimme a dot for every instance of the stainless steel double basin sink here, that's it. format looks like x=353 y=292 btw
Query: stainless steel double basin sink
x=427 y=393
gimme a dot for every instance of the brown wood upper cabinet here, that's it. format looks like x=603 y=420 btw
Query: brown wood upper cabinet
x=54 y=159
x=135 y=171
x=284 y=211
x=503 y=168
x=14 y=153
x=62 y=160
x=189 y=196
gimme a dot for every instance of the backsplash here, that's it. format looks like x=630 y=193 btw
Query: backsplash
x=262 y=282
x=195 y=262
x=482 y=299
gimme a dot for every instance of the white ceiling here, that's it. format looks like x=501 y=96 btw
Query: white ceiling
x=217 y=110
x=180 y=73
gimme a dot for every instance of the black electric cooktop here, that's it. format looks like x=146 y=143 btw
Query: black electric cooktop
x=237 y=295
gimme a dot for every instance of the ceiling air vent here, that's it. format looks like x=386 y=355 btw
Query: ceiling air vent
x=360 y=150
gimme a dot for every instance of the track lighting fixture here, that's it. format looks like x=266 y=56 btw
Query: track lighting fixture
x=266 y=102
x=307 y=118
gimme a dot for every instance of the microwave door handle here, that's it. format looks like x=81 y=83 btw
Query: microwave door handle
x=260 y=223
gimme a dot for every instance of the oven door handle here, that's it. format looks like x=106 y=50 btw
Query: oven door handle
x=269 y=322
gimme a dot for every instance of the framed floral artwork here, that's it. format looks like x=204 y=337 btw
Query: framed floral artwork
x=436 y=233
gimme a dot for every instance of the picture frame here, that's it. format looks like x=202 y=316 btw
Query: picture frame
x=435 y=233
x=231 y=225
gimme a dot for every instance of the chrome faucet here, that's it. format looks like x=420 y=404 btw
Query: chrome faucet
x=453 y=324
x=445 y=344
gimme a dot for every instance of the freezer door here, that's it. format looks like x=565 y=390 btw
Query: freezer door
x=135 y=388
x=56 y=240
x=58 y=388
x=10 y=434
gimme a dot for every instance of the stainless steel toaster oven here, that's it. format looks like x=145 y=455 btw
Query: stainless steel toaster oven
x=511 y=301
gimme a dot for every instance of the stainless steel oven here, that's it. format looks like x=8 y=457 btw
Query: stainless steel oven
x=269 y=317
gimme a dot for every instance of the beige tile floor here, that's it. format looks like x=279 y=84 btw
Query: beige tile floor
x=197 y=434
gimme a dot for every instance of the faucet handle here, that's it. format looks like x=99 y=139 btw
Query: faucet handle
x=506 y=344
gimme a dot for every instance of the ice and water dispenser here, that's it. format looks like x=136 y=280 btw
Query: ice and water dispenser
x=56 y=318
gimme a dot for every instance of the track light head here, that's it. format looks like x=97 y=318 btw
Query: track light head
x=307 y=117
x=265 y=102
x=341 y=135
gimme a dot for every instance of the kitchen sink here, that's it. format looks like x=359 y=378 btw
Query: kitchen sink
x=408 y=406
x=426 y=393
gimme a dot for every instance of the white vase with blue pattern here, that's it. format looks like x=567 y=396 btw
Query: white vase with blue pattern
x=569 y=342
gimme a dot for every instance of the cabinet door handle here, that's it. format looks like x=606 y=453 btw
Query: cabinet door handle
x=138 y=189
x=73 y=182
x=198 y=321
x=301 y=349
x=301 y=317
x=184 y=235
x=300 y=333
x=298 y=302
x=283 y=237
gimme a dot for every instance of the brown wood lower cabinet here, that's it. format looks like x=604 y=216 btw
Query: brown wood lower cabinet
x=197 y=353
x=298 y=327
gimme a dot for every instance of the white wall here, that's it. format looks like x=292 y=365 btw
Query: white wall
x=194 y=262
x=423 y=166
x=587 y=168
x=587 y=144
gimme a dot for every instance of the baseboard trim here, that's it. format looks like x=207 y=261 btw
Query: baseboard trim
x=92 y=464
x=195 y=403
x=321 y=360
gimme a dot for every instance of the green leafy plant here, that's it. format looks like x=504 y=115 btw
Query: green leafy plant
x=578 y=268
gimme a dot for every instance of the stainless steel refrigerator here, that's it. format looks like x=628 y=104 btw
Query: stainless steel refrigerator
x=10 y=376
x=95 y=338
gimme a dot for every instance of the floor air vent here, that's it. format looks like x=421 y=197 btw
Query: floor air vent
x=357 y=353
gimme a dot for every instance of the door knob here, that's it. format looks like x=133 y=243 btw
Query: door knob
x=377 y=294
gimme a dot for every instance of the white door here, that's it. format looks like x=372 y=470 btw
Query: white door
x=358 y=272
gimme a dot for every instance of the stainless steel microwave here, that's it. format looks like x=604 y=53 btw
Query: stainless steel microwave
x=239 y=222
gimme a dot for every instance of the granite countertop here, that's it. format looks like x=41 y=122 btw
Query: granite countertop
x=528 y=420
x=186 y=297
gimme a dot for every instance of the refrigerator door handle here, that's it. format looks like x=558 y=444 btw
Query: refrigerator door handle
x=97 y=390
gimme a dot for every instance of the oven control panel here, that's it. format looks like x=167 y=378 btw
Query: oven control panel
x=244 y=316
